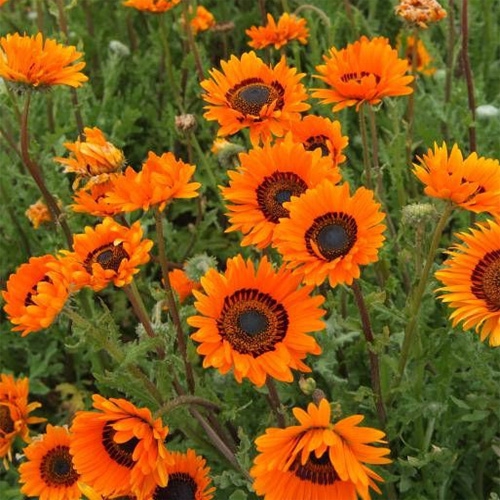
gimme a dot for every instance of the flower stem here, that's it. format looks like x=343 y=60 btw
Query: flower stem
x=183 y=400
x=416 y=297
x=172 y=305
x=364 y=141
x=139 y=308
x=36 y=172
x=374 y=360
x=275 y=402
x=191 y=41
x=410 y=111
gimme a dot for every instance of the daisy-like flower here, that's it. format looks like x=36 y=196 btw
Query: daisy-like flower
x=424 y=60
x=330 y=234
x=156 y=6
x=268 y=177
x=119 y=449
x=289 y=27
x=92 y=157
x=365 y=71
x=14 y=414
x=109 y=252
x=255 y=321
x=36 y=294
x=48 y=473
x=162 y=179
x=91 y=199
x=471 y=281
x=317 y=132
x=318 y=459
x=202 y=20
x=181 y=284
x=420 y=12
x=38 y=213
x=472 y=183
x=39 y=63
x=248 y=93
x=188 y=478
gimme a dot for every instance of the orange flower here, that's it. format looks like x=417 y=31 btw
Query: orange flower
x=91 y=199
x=162 y=179
x=38 y=213
x=202 y=20
x=109 y=252
x=187 y=478
x=317 y=132
x=92 y=157
x=152 y=5
x=420 y=12
x=119 y=449
x=31 y=61
x=181 y=284
x=255 y=321
x=365 y=71
x=289 y=27
x=423 y=61
x=317 y=458
x=48 y=472
x=36 y=294
x=249 y=93
x=473 y=183
x=330 y=234
x=470 y=279
x=267 y=178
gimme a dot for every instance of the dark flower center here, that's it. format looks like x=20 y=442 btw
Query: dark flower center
x=121 y=453
x=109 y=256
x=251 y=95
x=331 y=235
x=315 y=142
x=486 y=280
x=317 y=470
x=358 y=77
x=252 y=322
x=6 y=422
x=275 y=190
x=181 y=486
x=56 y=468
x=28 y=300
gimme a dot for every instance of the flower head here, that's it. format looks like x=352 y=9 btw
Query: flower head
x=92 y=198
x=36 y=294
x=249 y=93
x=288 y=28
x=48 y=472
x=187 y=478
x=472 y=183
x=420 y=12
x=181 y=284
x=365 y=71
x=109 y=252
x=92 y=157
x=330 y=234
x=255 y=320
x=267 y=178
x=14 y=413
x=424 y=60
x=155 y=6
x=119 y=448
x=202 y=20
x=471 y=281
x=317 y=132
x=38 y=213
x=38 y=63
x=318 y=458
x=162 y=179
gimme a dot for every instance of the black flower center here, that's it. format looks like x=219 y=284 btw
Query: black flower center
x=275 y=190
x=56 y=468
x=317 y=470
x=28 y=300
x=109 y=256
x=331 y=235
x=358 y=77
x=486 y=280
x=317 y=141
x=6 y=422
x=252 y=322
x=181 y=486
x=251 y=95
x=121 y=453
